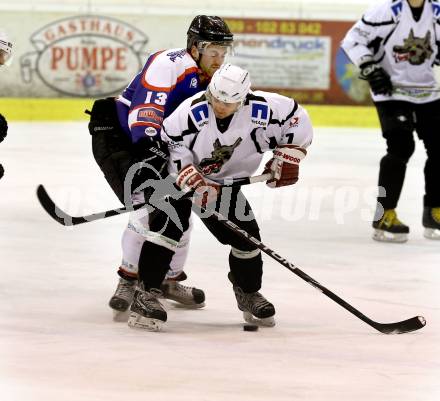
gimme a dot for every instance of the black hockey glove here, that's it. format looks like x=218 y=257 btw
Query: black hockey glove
x=110 y=145
x=3 y=128
x=104 y=117
x=152 y=158
x=377 y=77
x=154 y=154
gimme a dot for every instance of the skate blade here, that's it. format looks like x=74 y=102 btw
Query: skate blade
x=139 y=322
x=432 y=233
x=120 y=316
x=383 y=236
x=180 y=305
x=264 y=322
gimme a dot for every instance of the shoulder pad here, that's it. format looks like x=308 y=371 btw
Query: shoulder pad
x=384 y=13
x=260 y=112
x=199 y=112
x=164 y=68
x=396 y=7
x=436 y=8
x=174 y=54
x=281 y=108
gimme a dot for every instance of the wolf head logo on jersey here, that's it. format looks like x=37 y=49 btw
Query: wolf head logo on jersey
x=415 y=50
x=220 y=155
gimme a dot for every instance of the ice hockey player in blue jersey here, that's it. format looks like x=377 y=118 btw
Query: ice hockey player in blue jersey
x=396 y=45
x=167 y=78
x=215 y=136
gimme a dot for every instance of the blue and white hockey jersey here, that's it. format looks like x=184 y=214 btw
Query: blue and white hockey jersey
x=167 y=78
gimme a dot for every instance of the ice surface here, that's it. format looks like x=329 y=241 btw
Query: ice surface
x=58 y=340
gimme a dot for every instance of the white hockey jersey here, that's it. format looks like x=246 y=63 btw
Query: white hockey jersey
x=265 y=121
x=405 y=48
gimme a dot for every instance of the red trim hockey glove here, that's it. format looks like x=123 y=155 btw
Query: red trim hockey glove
x=284 y=165
x=190 y=179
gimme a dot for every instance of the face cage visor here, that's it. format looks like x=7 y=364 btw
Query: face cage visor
x=203 y=47
x=210 y=96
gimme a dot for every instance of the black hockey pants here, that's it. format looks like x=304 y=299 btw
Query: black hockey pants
x=399 y=120
x=245 y=261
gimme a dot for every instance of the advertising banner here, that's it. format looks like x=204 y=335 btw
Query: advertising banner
x=299 y=58
x=85 y=56
x=96 y=55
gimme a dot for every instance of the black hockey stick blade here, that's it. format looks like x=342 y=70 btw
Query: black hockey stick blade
x=65 y=219
x=49 y=206
x=405 y=326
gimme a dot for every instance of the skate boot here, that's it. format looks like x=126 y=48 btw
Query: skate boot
x=146 y=312
x=431 y=222
x=189 y=297
x=256 y=309
x=122 y=299
x=389 y=228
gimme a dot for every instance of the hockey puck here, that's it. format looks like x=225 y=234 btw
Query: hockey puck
x=250 y=327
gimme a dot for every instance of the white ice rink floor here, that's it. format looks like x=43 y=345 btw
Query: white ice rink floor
x=58 y=340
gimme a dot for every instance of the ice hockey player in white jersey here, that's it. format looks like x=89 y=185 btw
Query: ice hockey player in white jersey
x=127 y=131
x=396 y=45
x=216 y=135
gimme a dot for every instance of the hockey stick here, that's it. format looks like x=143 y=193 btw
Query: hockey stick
x=404 y=326
x=65 y=219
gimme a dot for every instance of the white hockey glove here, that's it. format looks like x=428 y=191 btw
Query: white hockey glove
x=190 y=179
x=284 y=165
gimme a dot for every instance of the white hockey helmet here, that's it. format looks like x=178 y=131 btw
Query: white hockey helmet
x=5 y=49
x=230 y=84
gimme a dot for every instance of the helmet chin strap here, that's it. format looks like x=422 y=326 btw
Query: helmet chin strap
x=203 y=76
x=197 y=60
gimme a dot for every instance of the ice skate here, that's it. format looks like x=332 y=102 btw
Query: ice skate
x=256 y=309
x=146 y=312
x=431 y=222
x=390 y=229
x=189 y=297
x=122 y=299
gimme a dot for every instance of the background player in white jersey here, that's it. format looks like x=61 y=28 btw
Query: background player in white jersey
x=396 y=46
x=222 y=134
x=167 y=78
x=5 y=59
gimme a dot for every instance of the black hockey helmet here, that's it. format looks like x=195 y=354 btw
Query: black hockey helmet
x=208 y=29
